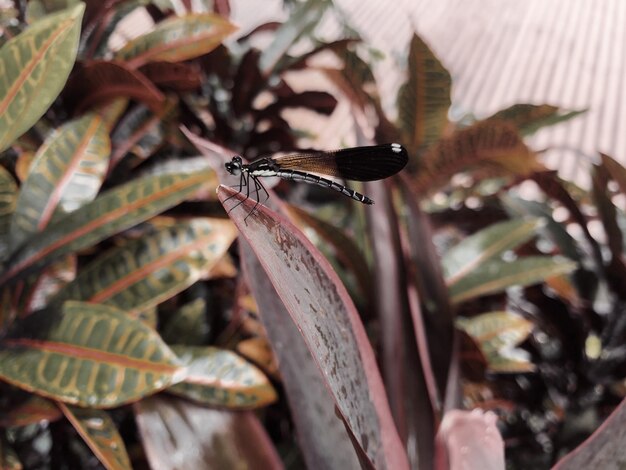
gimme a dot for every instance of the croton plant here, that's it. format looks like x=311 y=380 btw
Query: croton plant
x=150 y=317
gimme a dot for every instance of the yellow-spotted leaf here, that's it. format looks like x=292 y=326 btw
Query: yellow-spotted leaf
x=222 y=378
x=177 y=39
x=34 y=67
x=88 y=355
x=99 y=432
x=496 y=275
x=8 y=199
x=424 y=99
x=111 y=212
x=66 y=173
x=149 y=270
x=485 y=245
x=497 y=334
x=495 y=146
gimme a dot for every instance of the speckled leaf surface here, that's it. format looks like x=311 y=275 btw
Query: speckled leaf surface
x=324 y=313
x=34 y=67
x=88 y=355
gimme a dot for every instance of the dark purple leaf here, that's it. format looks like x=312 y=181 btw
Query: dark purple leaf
x=99 y=82
x=178 y=76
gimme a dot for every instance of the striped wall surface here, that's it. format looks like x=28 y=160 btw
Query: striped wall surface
x=568 y=53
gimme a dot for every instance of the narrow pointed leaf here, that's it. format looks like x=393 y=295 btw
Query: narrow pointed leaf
x=497 y=275
x=177 y=39
x=110 y=213
x=34 y=66
x=485 y=245
x=320 y=306
x=170 y=427
x=496 y=146
x=529 y=118
x=178 y=77
x=67 y=172
x=301 y=22
x=9 y=459
x=99 y=432
x=424 y=99
x=321 y=436
x=88 y=355
x=147 y=271
x=221 y=378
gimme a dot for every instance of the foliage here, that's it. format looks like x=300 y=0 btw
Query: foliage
x=135 y=324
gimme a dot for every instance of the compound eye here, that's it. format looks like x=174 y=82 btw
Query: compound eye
x=237 y=160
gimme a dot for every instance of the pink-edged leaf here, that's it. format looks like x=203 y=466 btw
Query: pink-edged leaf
x=324 y=313
x=469 y=439
x=604 y=449
x=100 y=82
x=179 y=434
x=321 y=434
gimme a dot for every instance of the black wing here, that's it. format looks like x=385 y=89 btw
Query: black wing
x=358 y=163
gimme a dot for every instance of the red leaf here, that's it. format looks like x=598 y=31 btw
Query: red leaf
x=99 y=82
x=177 y=76
x=325 y=315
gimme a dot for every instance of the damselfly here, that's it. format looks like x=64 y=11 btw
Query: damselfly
x=359 y=164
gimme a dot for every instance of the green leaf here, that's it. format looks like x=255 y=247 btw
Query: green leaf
x=497 y=275
x=423 y=101
x=529 y=118
x=221 y=378
x=497 y=333
x=67 y=172
x=8 y=199
x=147 y=271
x=177 y=39
x=34 y=67
x=111 y=212
x=188 y=323
x=518 y=207
x=301 y=22
x=88 y=355
x=99 y=432
x=485 y=245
